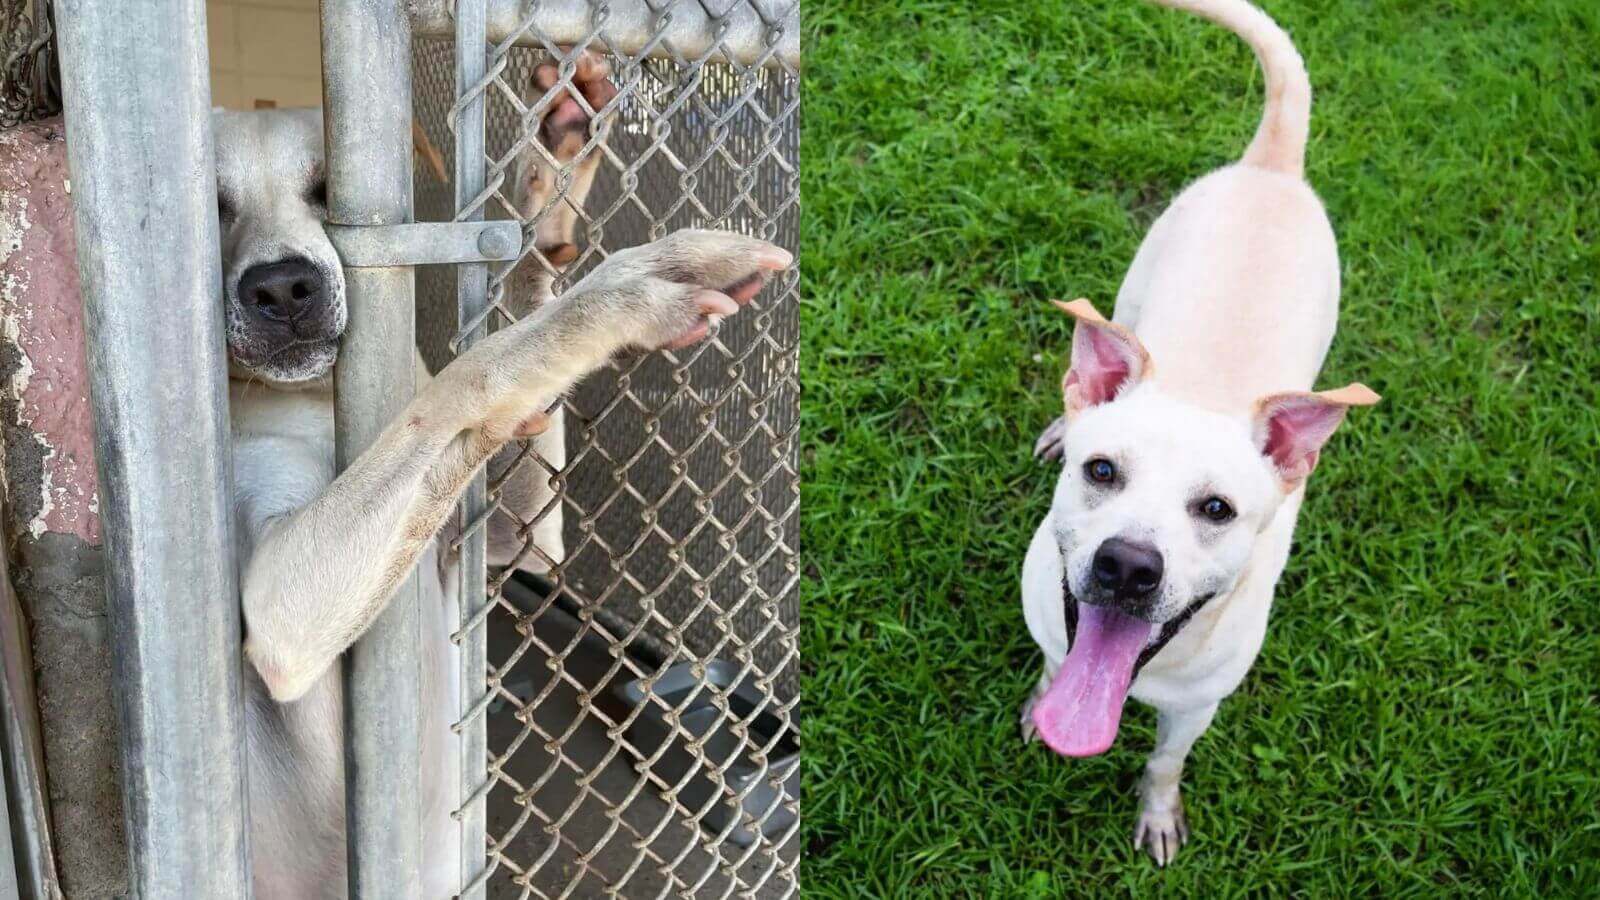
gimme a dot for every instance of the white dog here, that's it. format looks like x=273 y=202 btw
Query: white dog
x=1189 y=432
x=320 y=554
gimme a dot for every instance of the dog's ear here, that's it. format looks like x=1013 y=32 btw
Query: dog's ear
x=1291 y=428
x=1105 y=358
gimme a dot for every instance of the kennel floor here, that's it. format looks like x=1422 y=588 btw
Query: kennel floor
x=597 y=851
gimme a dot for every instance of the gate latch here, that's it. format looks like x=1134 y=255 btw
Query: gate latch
x=425 y=243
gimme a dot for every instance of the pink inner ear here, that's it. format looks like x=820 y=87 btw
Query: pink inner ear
x=1296 y=431
x=1101 y=363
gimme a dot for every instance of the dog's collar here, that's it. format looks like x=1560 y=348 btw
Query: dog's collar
x=1169 y=628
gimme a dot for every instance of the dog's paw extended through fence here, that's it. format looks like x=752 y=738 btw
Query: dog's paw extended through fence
x=629 y=645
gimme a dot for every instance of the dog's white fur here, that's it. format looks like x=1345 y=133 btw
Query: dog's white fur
x=322 y=552
x=1199 y=389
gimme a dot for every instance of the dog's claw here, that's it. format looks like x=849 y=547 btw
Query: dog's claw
x=1052 y=441
x=1161 y=832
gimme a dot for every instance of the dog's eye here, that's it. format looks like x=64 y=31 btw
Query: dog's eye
x=225 y=210
x=1216 y=509
x=318 y=195
x=1099 y=470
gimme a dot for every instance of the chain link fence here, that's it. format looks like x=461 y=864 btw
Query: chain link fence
x=30 y=84
x=641 y=697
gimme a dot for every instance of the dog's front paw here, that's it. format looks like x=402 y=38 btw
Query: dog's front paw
x=564 y=129
x=1029 y=731
x=1052 y=441
x=554 y=172
x=1162 y=828
x=665 y=294
x=662 y=294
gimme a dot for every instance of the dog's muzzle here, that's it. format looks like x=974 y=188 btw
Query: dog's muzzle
x=286 y=319
x=1081 y=710
x=1169 y=629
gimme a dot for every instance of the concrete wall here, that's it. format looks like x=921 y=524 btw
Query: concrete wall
x=266 y=50
x=51 y=521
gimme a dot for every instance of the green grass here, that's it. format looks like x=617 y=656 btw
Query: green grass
x=1425 y=716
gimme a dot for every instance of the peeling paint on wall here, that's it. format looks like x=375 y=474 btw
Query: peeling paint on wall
x=52 y=517
x=49 y=441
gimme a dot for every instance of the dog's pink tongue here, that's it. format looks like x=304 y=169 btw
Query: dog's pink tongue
x=1079 y=714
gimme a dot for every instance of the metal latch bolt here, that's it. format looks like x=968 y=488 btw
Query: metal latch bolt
x=425 y=243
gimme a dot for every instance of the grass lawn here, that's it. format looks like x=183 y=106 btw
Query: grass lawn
x=1425 y=716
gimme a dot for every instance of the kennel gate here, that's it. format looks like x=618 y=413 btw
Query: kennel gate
x=679 y=481
x=679 y=484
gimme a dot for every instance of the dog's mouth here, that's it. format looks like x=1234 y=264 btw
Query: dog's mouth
x=297 y=361
x=1082 y=709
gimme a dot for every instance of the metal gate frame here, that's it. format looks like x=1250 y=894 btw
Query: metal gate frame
x=145 y=209
x=366 y=88
x=688 y=34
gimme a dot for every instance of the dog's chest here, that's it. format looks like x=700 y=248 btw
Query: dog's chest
x=283 y=455
x=284 y=458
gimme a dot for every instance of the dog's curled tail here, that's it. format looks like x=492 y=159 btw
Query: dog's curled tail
x=1280 y=141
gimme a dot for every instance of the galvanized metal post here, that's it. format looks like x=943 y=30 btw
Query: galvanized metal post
x=8 y=859
x=138 y=103
x=739 y=31
x=22 y=755
x=472 y=295
x=366 y=75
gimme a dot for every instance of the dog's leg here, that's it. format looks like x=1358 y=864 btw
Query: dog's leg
x=1162 y=828
x=319 y=575
x=1030 y=732
x=552 y=179
x=555 y=193
x=1052 y=441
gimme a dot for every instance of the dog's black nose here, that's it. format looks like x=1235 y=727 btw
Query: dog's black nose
x=282 y=291
x=1128 y=570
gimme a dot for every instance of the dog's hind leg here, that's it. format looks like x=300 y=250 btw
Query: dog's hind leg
x=1162 y=829
x=320 y=574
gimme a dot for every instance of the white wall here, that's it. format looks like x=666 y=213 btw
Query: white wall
x=264 y=50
